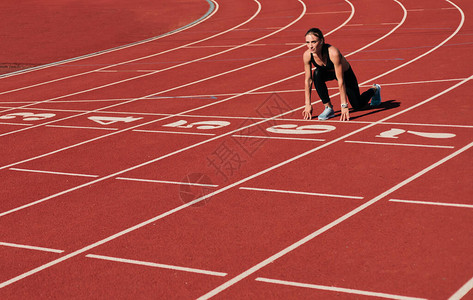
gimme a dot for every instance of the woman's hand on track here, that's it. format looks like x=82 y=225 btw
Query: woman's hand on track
x=345 y=114
x=307 y=113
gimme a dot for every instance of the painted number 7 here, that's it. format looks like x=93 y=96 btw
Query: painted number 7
x=394 y=133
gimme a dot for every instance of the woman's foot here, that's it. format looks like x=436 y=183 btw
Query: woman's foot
x=376 y=99
x=327 y=113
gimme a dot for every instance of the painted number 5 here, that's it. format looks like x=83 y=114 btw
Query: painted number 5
x=204 y=125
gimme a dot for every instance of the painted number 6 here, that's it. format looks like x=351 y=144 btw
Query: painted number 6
x=305 y=129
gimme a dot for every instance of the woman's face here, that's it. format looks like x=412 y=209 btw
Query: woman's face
x=314 y=43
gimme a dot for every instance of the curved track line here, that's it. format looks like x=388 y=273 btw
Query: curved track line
x=212 y=10
x=87 y=248
x=236 y=279
x=80 y=251
x=164 y=118
x=243 y=275
x=308 y=238
x=140 y=58
x=162 y=70
x=327 y=227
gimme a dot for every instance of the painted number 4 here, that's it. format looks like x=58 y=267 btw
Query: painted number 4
x=102 y=120
x=394 y=133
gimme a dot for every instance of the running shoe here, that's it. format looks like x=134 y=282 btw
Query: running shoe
x=327 y=114
x=376 y=99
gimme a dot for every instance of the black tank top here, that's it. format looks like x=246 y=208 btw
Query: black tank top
x=329 y=65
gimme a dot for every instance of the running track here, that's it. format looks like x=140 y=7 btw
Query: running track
x=180 y=167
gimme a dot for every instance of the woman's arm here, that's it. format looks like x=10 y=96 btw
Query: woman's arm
x=337 y=60
x=307 y=113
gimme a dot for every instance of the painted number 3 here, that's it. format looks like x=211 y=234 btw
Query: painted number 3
x=27 y=116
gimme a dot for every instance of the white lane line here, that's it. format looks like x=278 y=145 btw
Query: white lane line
x=81 y=127
x=327 y=227
x=271 y=259
x=255 y=124
x=206 y=97
x=123 y=232
x=300 y=193
x=277 y=138
x=330 y=12
x=194 y=145
x=145 y=57
x=169 y=116
x=140 y=58
x=206 y=16
x=400 y=144
x=465 y=289
x=175 y=66
x=156 y=265
x=54 y=173
x=16 y=124
x=432 y=203
x=153 y=160
x=246 y=118
x=174 y=132
x=31 y=247
x=223 y=135
x=166 y=182
x=335 y=289
x=226 y=46
x=87 y=248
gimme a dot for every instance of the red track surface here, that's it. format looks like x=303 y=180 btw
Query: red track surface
x=179 y=167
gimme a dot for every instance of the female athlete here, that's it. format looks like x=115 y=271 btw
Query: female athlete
x=330 y=64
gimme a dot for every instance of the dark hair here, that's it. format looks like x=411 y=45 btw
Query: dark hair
x=317 y=32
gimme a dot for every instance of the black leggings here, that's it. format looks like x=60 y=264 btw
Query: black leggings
x=357 y=101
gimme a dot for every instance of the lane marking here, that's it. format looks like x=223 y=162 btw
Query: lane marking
x=178 y=87
x=189 y=147
x=110 y=238
x=465 y=289
x=166 y=182
x=300 y=193
x=80 y=127
x=136 y=59
x=206 y=97
x=327 y=227
x=277 y=138
x=174 y=132
x=335 y=289
x=170 y=116
x=31 y=247
x=210 y=12
x=229 y=133
x=432 y=203
x=297 y=157
x=400 y=144
x=54 y=173
x=330 y=12
x=16 y=124
x=246 y=118
x=156 y=265
x=84 y=249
